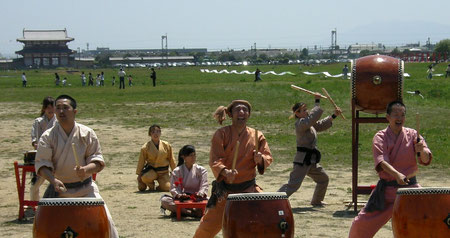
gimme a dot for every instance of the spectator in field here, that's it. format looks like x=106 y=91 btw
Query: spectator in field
x=345 y=72
x=24 y=80
x=57 y=79
x=154 y=160
x=83 y=79
x=121 y=78
x=430 y=72
x=91 y=80
x=130 y=80
x=45 y=121
x=97 y=80
x=153 y=77
x=395 y=154
x=64 y=81
x=102 y=79
x=114 y=80
x=447 y=71
x=257 y=75
x=187 y=181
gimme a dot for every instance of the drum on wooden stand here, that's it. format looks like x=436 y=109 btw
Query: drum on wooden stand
x=71 y=217
x=376 y=81
x=258 y=215
x=421 y=212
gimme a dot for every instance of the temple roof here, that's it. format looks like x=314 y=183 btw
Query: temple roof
x=45 y=35
x=45 y=50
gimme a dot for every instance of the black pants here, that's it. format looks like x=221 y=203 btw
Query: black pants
x=122 y=83
x=154 y=82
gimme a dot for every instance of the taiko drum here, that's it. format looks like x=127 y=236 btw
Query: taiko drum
x=71 y=217
x=421 y=212
x=258 y=215
x=376 y=81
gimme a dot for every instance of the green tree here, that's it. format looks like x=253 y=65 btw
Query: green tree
x=443 y=47
x=304 y=54
x=364 y=53
x=103 y=59
x=395 y=51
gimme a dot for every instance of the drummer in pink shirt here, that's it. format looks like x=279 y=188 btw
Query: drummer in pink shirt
x=394 y=153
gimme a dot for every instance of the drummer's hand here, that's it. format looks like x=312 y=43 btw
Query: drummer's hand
x=337 y=111
x=182 y=196
x=317 y=96
x=401 y=179
x=230 y=174
x=59 y=186
x=418 y=146
x=257 y=157
x=81 y=171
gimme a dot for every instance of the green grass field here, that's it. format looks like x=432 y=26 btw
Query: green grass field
x=185 y=97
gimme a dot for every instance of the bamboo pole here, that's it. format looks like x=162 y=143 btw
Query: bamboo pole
x=236 y=151
x=305 y=90
x=332 y=102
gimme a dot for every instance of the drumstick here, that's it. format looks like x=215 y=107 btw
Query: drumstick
x=418 y=129
x=235 y=156
x=332 y=102
x=77 y=162
x=305 y=90
x=256 y=141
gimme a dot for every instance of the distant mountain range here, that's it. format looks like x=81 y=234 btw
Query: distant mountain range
x=395 y=33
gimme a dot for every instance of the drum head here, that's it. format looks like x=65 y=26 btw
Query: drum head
x=257 y=196
x=419 y=191
x=71 y=202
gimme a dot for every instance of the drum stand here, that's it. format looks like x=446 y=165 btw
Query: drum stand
x=21 y=173
x=356 y=120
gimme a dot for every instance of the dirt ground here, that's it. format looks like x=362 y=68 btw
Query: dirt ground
x=137 y=214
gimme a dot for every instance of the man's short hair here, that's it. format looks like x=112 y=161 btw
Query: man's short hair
x=392 y=104
x=152 y=128
x=73 y=103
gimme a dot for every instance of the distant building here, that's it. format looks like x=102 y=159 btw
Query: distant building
x=357 y=48
x=45 y=48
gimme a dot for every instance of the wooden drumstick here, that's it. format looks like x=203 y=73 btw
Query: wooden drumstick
x=305 y=90
x=418 y=129
x=233 y=167
x=77 y=162
x=256 y=141
x=332 y=102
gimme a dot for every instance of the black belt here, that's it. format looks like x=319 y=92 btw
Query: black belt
x=309 y=152
x=220 y=190
x=376 y=200
x=51 y=193
x=148 y=167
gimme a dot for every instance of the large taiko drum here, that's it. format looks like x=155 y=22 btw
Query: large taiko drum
x=421 y=212
x=376 y=81
x=71 y=217
x=29 y=156
x=258 y=215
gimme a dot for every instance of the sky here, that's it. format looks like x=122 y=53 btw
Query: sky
x=223 y=25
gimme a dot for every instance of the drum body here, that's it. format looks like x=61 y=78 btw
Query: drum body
x=258 y=215
x=71 y=217
x=376 y=81
x=29 y=156
x=421 y=212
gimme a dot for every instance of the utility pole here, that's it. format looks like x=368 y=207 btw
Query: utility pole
x=164 y=51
